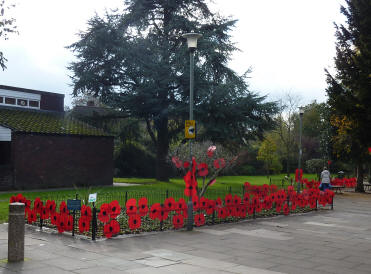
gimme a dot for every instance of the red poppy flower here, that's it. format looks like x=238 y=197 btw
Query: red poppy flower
x=31 y=218
x=131 y=207
x=293 y=205
x=202 y=169
x=250 y=209
x=176 y=162
x=222 y=213
x=278 y=207
x=297 y=175
x=143 y=206
x=63 y=208
x=190 y=190
x=180 y=205
x=50 y=205
x=169 y=204
x=69 y=224
x=84 y=224
x=210 y=151
x=54 y=218
x=186 y=164
x=228 y=200
x=115 y=209
x=44 y=213
x=86 y=212
x=184 y=213
x=236 y=200
x=219 y=163
x=203 y=203
x=37 y=205
x=210 y=207
x=191 y=184
x=104 y=214
x=27 y=203
x=178 y=221
x=163 y=214
x=62 y=222
x=218 y=202
x=246 y=198
x=195 y=202
x=243 y=211
x=267 y=203
x=155 y=211
x=199 y=219
x=286 y=209
x=134 y=221
x=110 y=229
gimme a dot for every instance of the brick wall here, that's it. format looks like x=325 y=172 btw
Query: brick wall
x=42 y=161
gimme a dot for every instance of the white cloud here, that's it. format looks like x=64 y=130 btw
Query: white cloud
x=288 y=43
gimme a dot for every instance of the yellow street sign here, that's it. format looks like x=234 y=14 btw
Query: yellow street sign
x=190 y=129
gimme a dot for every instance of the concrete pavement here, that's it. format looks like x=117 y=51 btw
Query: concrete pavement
x=325 y=241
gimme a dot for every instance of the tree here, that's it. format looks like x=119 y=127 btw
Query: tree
x=267 y=154
x=285 y=127
x=137 y=62
x=6 y=27
x=349 y=90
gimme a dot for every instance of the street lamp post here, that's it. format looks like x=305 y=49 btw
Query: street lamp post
x=192 y=45
x=301 y=113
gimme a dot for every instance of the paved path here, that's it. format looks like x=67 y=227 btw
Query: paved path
x=326 y=241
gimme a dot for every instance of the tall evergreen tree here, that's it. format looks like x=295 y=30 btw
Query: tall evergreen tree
x=349 y=90
x=137 y=61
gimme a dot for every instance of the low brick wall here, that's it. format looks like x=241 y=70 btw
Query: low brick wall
x=42 y=161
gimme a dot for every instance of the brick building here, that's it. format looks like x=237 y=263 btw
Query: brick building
x=41 y=146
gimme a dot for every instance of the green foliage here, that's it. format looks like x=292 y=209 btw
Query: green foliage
x=131 y=159
x=267 y=154
x=349 y=90
x=6 y=27
x=137 y=62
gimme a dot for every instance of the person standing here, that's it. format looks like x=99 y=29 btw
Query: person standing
x=325 y=180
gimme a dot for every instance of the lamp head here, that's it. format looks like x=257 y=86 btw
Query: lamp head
x=301 y=111
x=192 y=39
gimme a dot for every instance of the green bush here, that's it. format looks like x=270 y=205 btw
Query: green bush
x=133 y=160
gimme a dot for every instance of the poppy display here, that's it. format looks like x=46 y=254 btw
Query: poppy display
x=178 y=221
x=84 y=224
x=31 y=216
x=210 y=207
x=115 y=209
x=44 y=213
x=199 y=219
x=37 y=205
x=104 y=213
x=110 y=229
x=134 y=221
x=51 y=206
x=180 y=206
x=195 y=202
x=143 y=206
x=228 y=200
x=286 y=209
x=62 y=223
x=203 y=203
x=169 y=204
x=236 y=200
x=131 y=206
x=203 y=169
x=86 y=211
x=222 y=213
x=163 y=213
x=154 y=212
x=54 y=218
x=63 y=208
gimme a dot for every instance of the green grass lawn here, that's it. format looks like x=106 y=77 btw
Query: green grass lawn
x=155 y=191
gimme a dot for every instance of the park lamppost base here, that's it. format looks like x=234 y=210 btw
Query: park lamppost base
x=190 y=215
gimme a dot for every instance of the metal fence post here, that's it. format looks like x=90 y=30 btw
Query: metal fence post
x=94 y=223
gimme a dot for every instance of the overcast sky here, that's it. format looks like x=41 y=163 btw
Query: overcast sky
x=287 y=43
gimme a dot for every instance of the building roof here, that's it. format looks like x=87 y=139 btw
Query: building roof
x=45 y=122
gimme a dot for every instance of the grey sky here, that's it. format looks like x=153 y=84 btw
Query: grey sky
x=287 y=43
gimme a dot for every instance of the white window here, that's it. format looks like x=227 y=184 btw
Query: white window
x=19 y=99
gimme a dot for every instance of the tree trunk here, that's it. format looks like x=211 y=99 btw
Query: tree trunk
x=359 y=187
x=162 y=167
